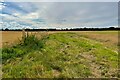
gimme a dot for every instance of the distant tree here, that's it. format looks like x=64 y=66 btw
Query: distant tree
x=111 y=27
x=6 y=29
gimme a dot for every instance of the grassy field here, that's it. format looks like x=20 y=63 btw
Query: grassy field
x=60 y=55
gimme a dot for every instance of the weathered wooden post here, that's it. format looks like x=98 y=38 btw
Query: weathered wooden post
x=23 y=34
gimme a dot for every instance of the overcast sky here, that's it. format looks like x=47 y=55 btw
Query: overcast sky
x=58 y=14
x=60 y=0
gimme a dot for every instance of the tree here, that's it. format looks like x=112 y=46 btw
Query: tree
x=6 y=29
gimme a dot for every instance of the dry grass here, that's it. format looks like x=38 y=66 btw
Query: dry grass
x=105 y=36
x=10 y=37
x=109 y=38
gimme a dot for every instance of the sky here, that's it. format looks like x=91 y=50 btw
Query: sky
x=34 y=14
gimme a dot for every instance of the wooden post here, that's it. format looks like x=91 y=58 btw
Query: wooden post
x=23 y=34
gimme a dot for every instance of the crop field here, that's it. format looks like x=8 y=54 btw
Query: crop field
x=60 y=54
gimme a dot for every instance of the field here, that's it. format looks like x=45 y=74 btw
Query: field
x=76 y=54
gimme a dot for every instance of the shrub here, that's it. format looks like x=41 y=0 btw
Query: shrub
x=32 y=42
x=28 y=44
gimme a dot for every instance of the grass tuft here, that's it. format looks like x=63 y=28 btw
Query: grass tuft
x=28 y=44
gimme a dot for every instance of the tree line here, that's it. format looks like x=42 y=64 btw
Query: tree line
x=72 y=29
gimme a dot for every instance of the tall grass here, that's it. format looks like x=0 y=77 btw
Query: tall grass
x=26 y=45
x=32 y=42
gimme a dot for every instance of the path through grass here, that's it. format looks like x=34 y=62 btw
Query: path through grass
x=62 y=55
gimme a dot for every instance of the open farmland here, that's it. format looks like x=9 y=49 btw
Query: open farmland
x=11 y=37
x=60 y=54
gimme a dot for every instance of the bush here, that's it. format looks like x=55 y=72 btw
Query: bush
x=29 y=43
x=32 y=42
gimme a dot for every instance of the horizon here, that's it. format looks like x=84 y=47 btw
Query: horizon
x=66 y=28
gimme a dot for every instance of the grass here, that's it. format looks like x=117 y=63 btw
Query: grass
x=26 y=45
x=59 y=55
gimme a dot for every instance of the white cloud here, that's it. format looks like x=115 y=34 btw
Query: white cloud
x=2 y=6
x=33 y=15
x=1 y=0
x=16 y=14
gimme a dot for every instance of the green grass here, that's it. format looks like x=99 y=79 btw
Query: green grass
x=59 y=55
x=26 y=45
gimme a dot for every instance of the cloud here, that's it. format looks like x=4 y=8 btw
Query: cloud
x=62 y=0
x=2 y=5
x=32 y=16
x=81 y=13
x=55 y=14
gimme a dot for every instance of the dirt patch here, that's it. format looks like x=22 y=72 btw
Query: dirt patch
x=94 y=68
